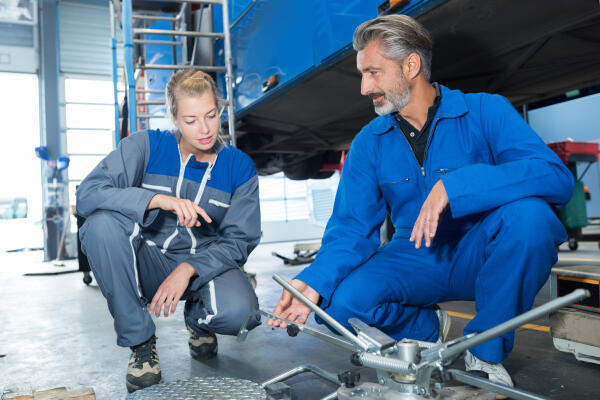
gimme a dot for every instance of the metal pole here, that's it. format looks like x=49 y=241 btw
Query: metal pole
x=324 y=316
x=515 y=322
x=228 y=74
x=115 y=74
x=129 y=72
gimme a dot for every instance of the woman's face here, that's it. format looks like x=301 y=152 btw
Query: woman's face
x=198 y=121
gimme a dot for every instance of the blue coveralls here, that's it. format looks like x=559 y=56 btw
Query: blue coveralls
x=496 y=242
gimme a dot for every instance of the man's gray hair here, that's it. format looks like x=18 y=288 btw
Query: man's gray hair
x=400 y=35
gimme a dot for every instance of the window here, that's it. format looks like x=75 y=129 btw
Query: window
x=286 y=200
x=89 y=125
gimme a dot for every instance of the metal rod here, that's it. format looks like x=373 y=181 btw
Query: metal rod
x=229 y=74
x=322 y=314
x=146 y=116
x=485 y=384
x=157 y=91
x=301 y=369
x=330 y=396
x=151 y=102
x=165 y=42
x=163 y=32
x=515 y=322
x=310 y=331
x=218 y=2
x=206 y=68
x=153 y=17
x=243 y=14
x=129 y=70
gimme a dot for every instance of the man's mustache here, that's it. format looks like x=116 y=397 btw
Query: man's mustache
x=373 y=95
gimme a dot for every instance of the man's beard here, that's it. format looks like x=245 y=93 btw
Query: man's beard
x=392 y=101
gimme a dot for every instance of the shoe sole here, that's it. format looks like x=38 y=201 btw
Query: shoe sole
x=132 y=387
x=202 y=355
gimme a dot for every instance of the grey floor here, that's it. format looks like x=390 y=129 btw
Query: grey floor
x=55 y=331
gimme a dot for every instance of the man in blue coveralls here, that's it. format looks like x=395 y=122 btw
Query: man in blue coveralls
x=470 y=189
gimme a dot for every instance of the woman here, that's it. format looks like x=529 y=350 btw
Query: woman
x=173 y=216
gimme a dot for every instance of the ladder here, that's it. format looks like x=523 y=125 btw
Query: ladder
x=157 y=29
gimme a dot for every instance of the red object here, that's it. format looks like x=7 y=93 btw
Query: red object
x=335 y=167
x=574 y=151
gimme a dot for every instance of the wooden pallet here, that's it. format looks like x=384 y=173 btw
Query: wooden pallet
x=59 y=394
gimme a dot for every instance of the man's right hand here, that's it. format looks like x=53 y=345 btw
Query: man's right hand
x=291 y=308
x=186 y=210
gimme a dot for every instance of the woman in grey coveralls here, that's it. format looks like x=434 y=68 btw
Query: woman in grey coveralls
x=170 y=216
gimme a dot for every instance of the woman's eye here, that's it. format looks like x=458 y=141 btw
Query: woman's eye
x=211 y=116
x=189 y=122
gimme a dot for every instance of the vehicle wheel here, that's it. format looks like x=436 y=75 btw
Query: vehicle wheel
x=573 y=245
x=87 y=278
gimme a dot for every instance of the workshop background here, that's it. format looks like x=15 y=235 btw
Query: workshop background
x=76 y=76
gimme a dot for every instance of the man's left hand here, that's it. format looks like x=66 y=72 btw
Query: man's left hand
x=430 y=215
x=170 y=291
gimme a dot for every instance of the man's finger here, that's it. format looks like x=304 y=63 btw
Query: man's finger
x=419 y=234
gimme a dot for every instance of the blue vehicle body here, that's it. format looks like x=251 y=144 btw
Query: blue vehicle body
x=293 y=39
x=526 y=51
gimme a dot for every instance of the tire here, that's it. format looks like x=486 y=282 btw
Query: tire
x=573 y=245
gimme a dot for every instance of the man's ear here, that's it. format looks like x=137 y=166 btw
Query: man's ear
x=412 y=66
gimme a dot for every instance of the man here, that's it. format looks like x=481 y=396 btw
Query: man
x=470 y=190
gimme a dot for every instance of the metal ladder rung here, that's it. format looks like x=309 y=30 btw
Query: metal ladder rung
x=149 y=91
x=206 y=68
x=217 y=2
x=167 y=42
x=146 y=116
x=154 y=17
x=151 y=102
x=143 y=31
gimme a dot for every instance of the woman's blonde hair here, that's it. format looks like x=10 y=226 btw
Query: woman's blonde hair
x=191 y=83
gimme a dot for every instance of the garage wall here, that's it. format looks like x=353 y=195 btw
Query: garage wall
x=85 y=37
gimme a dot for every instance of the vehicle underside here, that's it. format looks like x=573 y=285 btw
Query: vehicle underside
x=525 y=50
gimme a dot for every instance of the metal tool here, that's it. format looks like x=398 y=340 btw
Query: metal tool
x=415 y=370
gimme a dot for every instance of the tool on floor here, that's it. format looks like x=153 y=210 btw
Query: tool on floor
x=408 y=369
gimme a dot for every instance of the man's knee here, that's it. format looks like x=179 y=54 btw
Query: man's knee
x=531 y=223
x=353 y=299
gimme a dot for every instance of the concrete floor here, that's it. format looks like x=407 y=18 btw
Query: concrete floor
x=55 y=331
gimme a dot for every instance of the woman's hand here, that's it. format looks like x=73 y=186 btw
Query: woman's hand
x=170 y=291
x=186 y=210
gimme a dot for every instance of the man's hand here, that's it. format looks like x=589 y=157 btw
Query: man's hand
x=170 y=291
x=291 y=308
x=430 y=215
x=186 y=210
